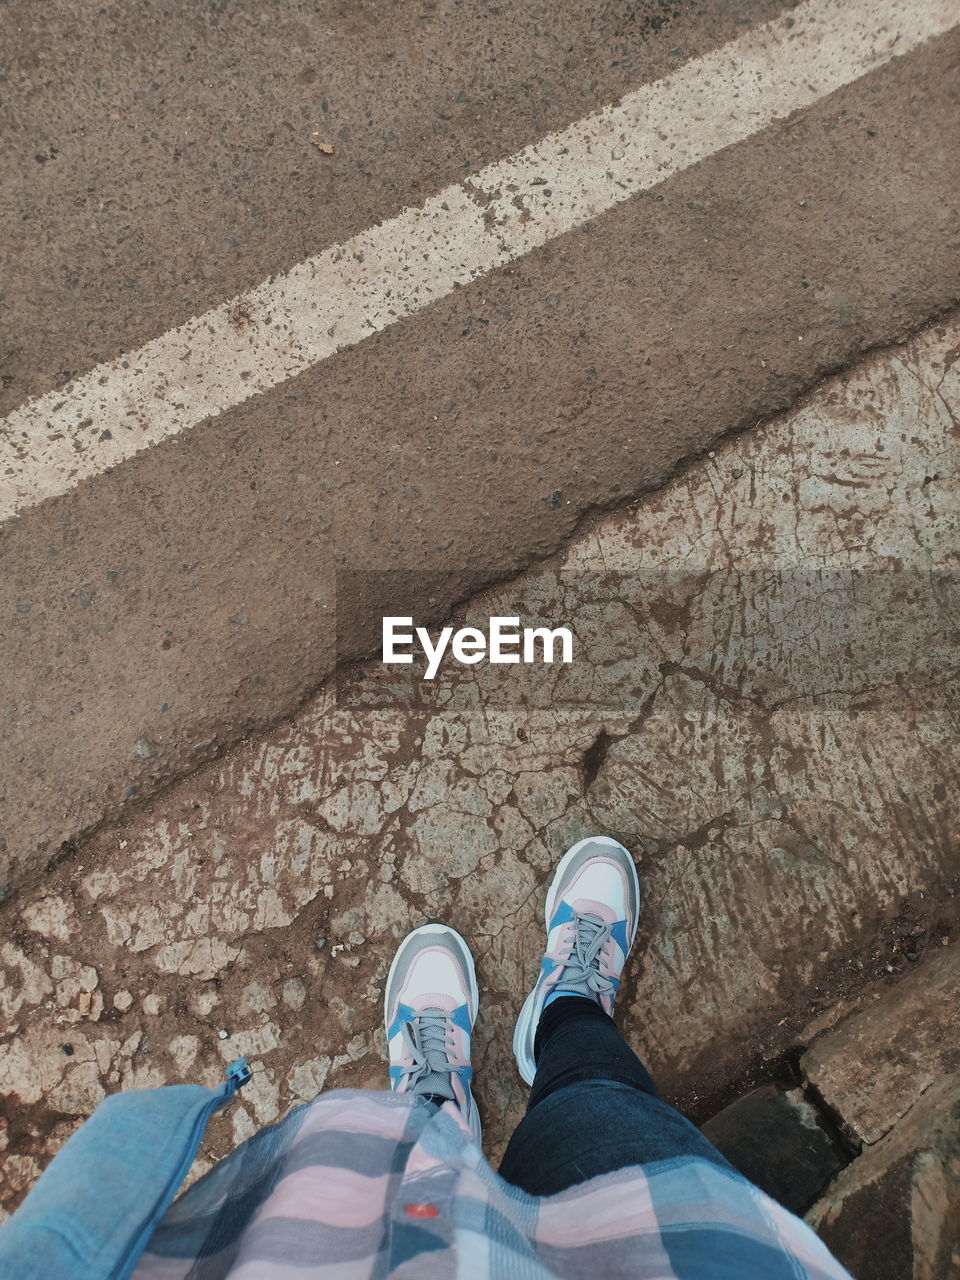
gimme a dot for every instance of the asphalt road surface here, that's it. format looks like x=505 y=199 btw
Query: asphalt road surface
x=380 y=287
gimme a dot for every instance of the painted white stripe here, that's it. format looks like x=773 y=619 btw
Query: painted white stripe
x=331 y=301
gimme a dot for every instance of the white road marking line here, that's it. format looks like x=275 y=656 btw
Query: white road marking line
x=340 y=296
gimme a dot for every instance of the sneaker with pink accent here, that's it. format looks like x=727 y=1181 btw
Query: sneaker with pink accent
x=430 y=1007
x=591 y=916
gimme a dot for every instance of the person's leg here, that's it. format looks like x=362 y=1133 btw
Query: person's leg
x=593 y=1107
x=578 y=1041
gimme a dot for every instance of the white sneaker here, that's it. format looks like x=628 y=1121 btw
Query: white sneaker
x=591 y=916
x=430 y=1007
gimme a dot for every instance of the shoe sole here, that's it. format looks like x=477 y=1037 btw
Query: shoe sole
x=438 y=931
x=524 y=1033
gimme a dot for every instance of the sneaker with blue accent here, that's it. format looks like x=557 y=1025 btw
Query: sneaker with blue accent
x=591 y=914
x=430 y=1007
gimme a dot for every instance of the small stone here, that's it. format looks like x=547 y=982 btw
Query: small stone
x=151 y=1005
x=184 y=1050
x=83 y=1004
x=321 y=943
x=122 y=1001
x=224 y=1035
x=204 y=1003
x=294 y=993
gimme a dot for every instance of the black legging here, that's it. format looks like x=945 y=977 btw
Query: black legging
x=593 y=1107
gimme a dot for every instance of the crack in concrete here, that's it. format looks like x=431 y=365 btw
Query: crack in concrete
x=779 y=830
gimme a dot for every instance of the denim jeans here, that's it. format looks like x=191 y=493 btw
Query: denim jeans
x=593 y=1107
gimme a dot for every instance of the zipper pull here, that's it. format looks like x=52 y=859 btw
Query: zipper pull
x=238 y=1073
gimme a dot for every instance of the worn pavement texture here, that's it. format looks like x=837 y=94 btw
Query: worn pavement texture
x=764 y=712
x=162 y=160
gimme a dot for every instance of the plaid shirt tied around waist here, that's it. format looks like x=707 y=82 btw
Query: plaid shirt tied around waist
x=362 y=1186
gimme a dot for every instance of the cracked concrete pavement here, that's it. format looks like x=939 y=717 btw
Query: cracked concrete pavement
x=765 y=713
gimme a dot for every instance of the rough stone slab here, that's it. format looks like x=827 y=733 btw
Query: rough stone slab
x=873 y=1067
x=775 y=1138
x=894 y=1213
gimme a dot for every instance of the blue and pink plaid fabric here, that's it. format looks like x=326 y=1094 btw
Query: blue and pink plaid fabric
x=360 y=1185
